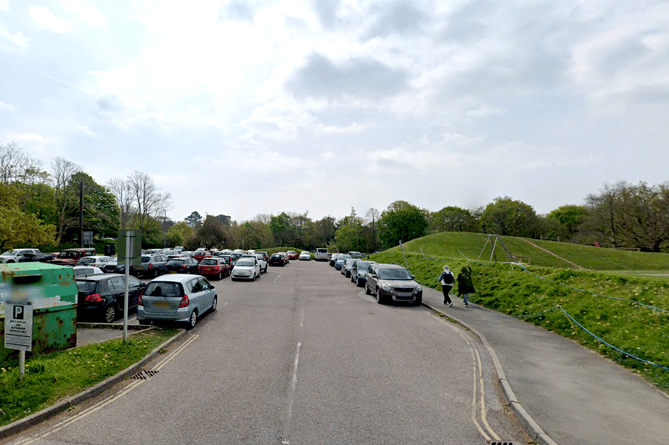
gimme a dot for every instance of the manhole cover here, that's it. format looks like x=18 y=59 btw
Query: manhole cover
x=144 y=374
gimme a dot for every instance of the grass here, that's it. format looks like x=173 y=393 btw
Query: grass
x=622 y=321
x=57 y=375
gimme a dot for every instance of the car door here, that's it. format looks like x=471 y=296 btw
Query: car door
x=116 y=286
x=135 y=289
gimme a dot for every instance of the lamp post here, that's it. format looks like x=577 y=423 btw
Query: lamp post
x=165 y=228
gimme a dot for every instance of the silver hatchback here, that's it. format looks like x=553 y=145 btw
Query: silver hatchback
x=180 y=298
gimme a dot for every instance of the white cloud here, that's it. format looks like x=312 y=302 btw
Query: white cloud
x=85 y=130
x=7 y=107
x=47 y=20
x=86 y=12
x=12 y=41
x=4 y=5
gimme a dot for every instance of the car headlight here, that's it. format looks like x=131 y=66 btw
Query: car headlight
x=419 y=289
x=386 y=288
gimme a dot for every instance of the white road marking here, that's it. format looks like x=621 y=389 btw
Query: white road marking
x=277 y=277
x=291 y=396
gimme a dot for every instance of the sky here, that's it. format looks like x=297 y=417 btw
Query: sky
x=261 y=107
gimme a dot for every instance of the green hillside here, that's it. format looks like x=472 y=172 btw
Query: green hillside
x=479 y=246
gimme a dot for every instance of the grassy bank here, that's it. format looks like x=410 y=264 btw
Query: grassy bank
x=52 y=377
x=623 y=320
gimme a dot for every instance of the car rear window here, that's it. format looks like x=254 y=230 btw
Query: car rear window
x=176 y=262
x=86 y=286
x=209 y=262
x=162 y=289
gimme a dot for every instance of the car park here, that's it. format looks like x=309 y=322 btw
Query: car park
x=246 y=268
x=321 y=254
x=390 y=282
x=305 y=255
x=278 y=259
x=214 y=267
x=101 y=297
x=14 y=255
x=176 y=298
x=341 y=259
x=183 y=264
x=359 y=272
x=151 y=265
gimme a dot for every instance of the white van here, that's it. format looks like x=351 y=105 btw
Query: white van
x=321 y=254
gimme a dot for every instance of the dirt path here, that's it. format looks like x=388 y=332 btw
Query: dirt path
x=556 y=256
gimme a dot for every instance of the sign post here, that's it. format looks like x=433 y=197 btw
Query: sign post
x=130 y=249
x=19 y=330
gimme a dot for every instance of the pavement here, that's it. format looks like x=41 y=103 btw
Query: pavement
x=560 y=391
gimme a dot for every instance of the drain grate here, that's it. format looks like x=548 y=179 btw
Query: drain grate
x=144 y=374
x=500 y=442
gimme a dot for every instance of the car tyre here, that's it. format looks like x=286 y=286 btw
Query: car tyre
x=379 y=299
x=192 y=320
x=219 y=277
x=110 y=314
x=214 y=304
x=144 y=322
x=367 y=291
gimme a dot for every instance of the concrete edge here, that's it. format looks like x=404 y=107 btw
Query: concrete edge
x=62 y=405
x=529 y=424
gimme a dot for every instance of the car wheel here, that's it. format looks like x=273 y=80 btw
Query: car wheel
x=219 y=277
x=110 y=314
x=254 y=276
x=155 y=273
x=367 y=291
x=192 y=320
x=214 y=304
x=144 y=322
x=419 y=301
x=377 y=294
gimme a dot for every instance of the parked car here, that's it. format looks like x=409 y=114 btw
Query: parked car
x=178 y=298
x=359 y=272
x=355 y=254
x=292 y=255
x=84 y=271
x=184 y=264
x=390 y=282
x=262 y=262
x=341 y=259
x=101 y=296
x=70 y=257
x=346 y=267
x=94 y=261
x=246 y=268
x=333 y=258
x=151 y=265
x=278 y=259
x=27 y=257
x=13 y=256
x=201 y=253
x=214 y=267
x=322 y=254
x=264 y=254
x=305 y=256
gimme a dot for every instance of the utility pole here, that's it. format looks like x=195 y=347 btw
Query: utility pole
x=81 y=214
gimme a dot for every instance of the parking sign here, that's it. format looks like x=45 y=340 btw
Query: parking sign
x=19 y=326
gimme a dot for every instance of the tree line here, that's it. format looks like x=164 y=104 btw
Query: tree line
x=41 y=208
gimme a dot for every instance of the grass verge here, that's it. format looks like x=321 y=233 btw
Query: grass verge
x=57 y=375
x=610 y=305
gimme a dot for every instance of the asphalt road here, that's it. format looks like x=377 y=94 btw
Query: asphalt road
x=301 y=356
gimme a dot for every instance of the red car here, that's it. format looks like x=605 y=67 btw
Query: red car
x=201 y=253
x=292 y=255
x=214 y=267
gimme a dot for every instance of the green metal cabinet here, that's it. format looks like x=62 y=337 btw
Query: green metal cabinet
x=52 y=290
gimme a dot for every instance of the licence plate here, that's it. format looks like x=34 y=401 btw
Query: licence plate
x=161 y=304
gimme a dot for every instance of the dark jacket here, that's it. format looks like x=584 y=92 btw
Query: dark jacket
x=465 y=285
x=448 y=278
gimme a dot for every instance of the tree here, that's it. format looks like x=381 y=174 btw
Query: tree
x=194 y=219
x=322 y=232
x=120 y=188
x=453 y=219
x=401 y=221
x=212 y=233
x=283 y=229
x=565 y=221
x=179 y=233
x=349 y=235
x=255 y=235
x=372 y=237
x=18 y=166
x=101 y=212
x=65 y=196
x=149 y=203
x=504 y=216
x=19 y=228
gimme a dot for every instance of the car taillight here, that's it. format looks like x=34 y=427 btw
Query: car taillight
x=140 y=302
x=93 y=298
x=184 y=302
x=183 y=266
x=150 y=266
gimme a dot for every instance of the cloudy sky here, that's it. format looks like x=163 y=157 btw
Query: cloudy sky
x=246 y=107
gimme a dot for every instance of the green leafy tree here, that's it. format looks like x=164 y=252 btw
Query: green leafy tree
x=179 y=233
x=212 y=233
x=194 y=219
x=565 y=221
x=18 y=228
x=401 y=221
x=256 y=234
x=350 y=233
x=453 y=219
x=504 y=216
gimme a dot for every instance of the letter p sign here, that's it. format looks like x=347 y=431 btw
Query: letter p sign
x=18 y=312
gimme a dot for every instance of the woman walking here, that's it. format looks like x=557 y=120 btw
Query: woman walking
x=446 y=279
x=465 y=285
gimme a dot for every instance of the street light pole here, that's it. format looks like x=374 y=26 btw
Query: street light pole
x=165 y=228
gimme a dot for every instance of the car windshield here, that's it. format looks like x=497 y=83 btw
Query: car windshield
x=394 y=274
x=8 y=253
x=87 y=260
x=145 y=259
x=362 y=265
x=245 y=263
x=87 y=287
x=209 y=262
x=176 y=262
x=162 y=289
x=343 y=257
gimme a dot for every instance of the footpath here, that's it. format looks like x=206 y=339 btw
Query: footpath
x=557 y=387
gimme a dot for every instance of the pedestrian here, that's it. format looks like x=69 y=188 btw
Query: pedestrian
x=465 y=284
x=446 y=279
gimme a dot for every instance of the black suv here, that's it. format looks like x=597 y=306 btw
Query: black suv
x=101 y=296
x=389 y=282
